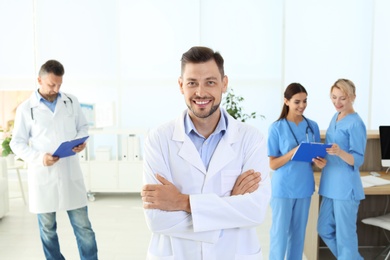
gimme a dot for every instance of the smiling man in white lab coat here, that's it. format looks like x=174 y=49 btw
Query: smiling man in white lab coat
x=206 y=175
x=45 y=120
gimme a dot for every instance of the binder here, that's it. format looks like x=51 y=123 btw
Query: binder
x=307 y=151
x=137 y=150
x=65 y=149
x=133 y=148
x=124 y=148
x=130 y=147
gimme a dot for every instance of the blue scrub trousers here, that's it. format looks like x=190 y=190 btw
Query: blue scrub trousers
x=288 y=229
x=81 y=227
x=337 y=227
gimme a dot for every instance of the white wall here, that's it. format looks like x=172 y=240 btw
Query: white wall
x=327 y=40
x=379 y=109
x=128 y=52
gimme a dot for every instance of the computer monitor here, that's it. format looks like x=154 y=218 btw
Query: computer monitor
x=384 y=137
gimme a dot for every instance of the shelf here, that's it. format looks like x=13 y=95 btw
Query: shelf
x=112 y=161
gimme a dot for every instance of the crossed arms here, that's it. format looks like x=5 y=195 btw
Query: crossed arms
x=166 y=196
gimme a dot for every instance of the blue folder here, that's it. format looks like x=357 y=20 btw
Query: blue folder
x=65 y=149
x=307 y=151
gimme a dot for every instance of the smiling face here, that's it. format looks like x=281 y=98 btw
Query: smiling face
x=341 y=101
x=202 y=86
x=49 y=86
x=297 y=104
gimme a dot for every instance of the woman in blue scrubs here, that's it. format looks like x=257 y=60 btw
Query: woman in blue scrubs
x=292 y=181
x=340 y=186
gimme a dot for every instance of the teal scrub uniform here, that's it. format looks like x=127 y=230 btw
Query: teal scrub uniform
x=341 y=188
x=292 y=188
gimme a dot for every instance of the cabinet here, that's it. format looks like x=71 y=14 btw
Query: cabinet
x=112 y=161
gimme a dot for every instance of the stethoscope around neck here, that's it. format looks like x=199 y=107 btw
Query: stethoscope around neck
x=71 y=104
x=308 y=127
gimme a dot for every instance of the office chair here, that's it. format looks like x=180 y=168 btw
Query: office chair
x=382 y=222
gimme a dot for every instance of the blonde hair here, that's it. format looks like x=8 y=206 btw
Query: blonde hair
x=346 y=86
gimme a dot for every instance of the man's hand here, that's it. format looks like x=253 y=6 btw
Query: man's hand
x=247 y=182
x=49 y=160
x=164 y=196
x=79 y=148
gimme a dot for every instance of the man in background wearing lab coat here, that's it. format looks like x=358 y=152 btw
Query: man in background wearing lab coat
x=206 y=175
x=45 y=120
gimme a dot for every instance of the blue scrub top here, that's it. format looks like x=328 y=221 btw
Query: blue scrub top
x=340 y=180
x=294 y=179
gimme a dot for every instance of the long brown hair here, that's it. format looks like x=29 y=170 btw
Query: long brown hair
x=291 y=90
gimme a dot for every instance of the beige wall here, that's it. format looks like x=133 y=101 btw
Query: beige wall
x=9 y=100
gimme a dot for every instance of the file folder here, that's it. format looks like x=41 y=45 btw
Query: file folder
x=371 y=181
x=65 y=149
x=307 y=151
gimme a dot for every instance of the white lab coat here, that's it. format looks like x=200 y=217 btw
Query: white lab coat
x=220 y=226
x=37 y=130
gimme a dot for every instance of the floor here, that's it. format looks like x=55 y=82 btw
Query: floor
x=117 y=220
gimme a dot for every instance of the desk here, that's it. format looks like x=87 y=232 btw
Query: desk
x=312 y=240
x=17 y=166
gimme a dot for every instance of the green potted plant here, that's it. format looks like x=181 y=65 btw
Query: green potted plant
x=233 y=105
x=6 y=149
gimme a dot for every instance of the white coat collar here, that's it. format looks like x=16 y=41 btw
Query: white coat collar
x=35 y=99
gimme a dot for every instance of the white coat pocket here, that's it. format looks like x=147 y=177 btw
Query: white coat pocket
x=256 y=256
x=39 y=175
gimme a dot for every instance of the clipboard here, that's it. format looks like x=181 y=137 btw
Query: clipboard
x=65 y=149
x=307 y=151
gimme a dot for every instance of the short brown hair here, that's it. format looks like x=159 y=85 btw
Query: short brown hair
x=200 y=54
x=52 y=66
